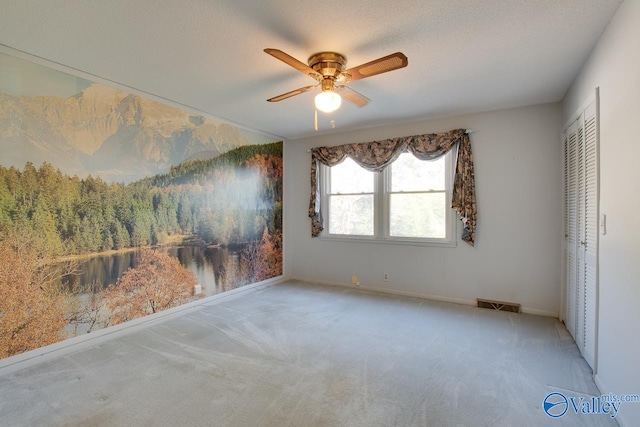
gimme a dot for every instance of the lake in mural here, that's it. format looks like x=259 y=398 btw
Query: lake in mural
x=113 y=206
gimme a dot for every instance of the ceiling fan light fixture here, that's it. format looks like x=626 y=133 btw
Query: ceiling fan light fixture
x=328 y=101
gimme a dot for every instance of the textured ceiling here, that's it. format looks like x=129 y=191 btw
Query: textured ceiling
x=464 y=55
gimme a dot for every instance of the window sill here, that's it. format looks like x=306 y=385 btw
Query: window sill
x=406 y=242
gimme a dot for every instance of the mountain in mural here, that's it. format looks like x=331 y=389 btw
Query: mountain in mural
x=107 y=132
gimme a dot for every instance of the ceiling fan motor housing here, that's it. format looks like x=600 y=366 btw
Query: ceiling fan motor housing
x=331 y=66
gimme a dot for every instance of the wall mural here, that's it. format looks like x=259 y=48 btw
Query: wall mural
x=113 y=206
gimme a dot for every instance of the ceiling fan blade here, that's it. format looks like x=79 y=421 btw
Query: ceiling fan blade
x=378 y=66
x=292 y=93
x=356 y=98
x=293 y=62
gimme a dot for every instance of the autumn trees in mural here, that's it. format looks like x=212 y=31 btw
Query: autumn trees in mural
x=158 y=282
x=32 y=310
x=35 y=312
x=233 y=200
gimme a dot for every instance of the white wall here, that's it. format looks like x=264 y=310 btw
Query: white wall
x=614 y=66
x=517 y=256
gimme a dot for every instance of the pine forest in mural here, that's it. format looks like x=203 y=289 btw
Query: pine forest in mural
x=113 y=206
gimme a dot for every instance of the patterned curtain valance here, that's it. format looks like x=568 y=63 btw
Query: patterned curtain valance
x=377 y=155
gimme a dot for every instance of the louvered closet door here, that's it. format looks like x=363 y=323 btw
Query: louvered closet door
x=581 y=230
x=571 y=227
x=590 y=233
x=580 y=218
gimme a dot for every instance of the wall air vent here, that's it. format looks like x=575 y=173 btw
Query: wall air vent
x=499 y=305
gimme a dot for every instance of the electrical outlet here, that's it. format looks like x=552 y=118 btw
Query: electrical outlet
x=385 y=277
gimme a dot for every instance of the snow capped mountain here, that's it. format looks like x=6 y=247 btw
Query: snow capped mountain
x=107 y=132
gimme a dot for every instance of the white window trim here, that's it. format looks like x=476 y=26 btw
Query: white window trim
x=381 y=212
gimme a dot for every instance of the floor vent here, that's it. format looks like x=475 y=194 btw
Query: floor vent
x=499 y=305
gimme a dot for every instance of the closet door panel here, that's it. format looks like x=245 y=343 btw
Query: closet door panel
x=590 y=232
x=571 y=212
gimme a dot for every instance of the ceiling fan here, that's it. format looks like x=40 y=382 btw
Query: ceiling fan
x=328 y=68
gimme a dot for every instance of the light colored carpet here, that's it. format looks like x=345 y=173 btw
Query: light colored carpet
x=307 y=355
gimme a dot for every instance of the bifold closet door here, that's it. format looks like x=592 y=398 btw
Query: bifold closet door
x=581 y=230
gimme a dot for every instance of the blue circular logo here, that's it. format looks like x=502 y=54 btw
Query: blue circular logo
x=555 y=405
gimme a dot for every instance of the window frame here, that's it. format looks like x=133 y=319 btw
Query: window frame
x=381 y=210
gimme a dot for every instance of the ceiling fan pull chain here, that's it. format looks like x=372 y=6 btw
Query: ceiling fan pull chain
x=315 y=122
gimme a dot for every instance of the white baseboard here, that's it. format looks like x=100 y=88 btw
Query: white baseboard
x=463 y=301
x=213 y=299
x=538 y=312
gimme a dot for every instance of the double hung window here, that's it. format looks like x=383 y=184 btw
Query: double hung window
x=407 y=202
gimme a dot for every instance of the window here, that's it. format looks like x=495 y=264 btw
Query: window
x=408 y=202
x=351 y=200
